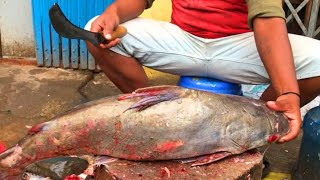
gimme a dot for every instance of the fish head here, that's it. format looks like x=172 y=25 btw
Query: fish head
x=279 y=125
x=262 y=128
x=8 y=163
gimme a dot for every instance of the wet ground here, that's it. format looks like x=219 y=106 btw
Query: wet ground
x=30 y=95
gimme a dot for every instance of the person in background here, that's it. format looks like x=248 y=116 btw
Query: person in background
x=239 y=41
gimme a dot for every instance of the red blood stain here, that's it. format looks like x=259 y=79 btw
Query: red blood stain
x=272 y=138
x=72 y=177
x=131 y=157
x=143 y=93
x=116 y=140
x=135 y=155
x=168 y=146
x=82 y=133
x=131 y=149
x=36 y=128
x=2 y=148
x=91 y=124
x=118 y=126
x=106 y=152
x=163 y=173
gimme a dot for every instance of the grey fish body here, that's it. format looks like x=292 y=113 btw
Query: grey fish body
x=193 y=123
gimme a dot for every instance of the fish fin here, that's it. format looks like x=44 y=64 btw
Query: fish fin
x=149 y=91
x=150 y=101
x=103 y=160
x=152 y=95
x=188 y=160
x=210 y=158
x=157 y=89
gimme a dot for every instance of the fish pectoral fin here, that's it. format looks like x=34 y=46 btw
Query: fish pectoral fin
x=152 y=95
x=207 y=159
x=152 y=100
x=157 y=89
x=104 y=160
x=150 y=91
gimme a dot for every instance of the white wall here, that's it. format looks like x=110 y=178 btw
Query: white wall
x=16 y=28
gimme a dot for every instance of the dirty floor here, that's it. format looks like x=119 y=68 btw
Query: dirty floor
x=30 y=95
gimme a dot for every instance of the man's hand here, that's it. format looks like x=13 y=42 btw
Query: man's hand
x=289 y=104
x=106 y=23
x=118 y=12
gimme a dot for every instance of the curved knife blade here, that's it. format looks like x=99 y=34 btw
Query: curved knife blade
x=68 y=30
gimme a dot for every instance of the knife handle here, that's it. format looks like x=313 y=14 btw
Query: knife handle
x=119 y=32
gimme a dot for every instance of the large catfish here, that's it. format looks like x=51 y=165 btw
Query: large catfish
x=156 y=123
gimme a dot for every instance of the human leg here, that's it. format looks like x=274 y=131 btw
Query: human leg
x=125 y=72
x=158 y=45
x=238 y=61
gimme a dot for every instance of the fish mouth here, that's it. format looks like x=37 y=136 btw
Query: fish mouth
x=4 y=155
x=284 y=125
x=10 y=157
x=281 y=126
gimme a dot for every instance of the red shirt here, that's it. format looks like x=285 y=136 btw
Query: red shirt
x=211 y=18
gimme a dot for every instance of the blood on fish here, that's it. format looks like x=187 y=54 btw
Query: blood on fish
x=72 y=177
x=168 y=146
x=131 y=149
x=272 y=138
x=36 y=128
x=91 y=124
x=118 y=126
x=165 y=171
x=83 y=132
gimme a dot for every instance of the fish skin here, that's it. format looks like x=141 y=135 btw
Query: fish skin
x=193 y=123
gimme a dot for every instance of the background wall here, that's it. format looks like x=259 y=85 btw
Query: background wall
x=160 y=10
x=16 y=28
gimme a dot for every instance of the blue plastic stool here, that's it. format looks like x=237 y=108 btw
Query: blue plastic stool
x=308 y=167
x=210 y=85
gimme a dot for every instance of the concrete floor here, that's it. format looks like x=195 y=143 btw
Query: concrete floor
x=30 y=95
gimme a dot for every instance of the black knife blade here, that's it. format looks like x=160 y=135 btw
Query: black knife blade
x=66 y=29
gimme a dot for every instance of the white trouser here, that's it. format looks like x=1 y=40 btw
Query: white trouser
x=165 y=47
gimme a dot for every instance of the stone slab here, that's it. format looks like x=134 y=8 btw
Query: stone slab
x=243 y=167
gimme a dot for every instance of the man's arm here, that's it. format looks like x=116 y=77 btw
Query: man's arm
x=118 y=12
x=275 y=51
x=267 y=19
